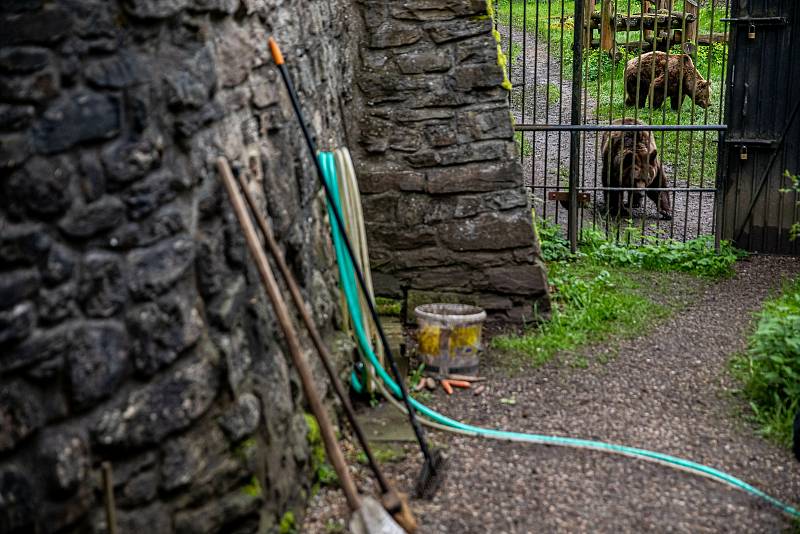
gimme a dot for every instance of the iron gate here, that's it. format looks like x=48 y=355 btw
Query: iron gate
x=763 y=142
x=566 y=61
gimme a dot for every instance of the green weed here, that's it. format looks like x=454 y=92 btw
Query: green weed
x=388 y=307
x=324 y=474
x=770 y=369
x=524 y=146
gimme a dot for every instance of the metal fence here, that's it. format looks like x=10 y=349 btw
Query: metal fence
x=571 y=63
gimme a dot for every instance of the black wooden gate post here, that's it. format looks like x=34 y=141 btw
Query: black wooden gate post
x=575 y=135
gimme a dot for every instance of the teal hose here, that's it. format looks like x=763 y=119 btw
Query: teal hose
x=350 y=289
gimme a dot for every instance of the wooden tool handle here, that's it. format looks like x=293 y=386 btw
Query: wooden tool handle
x=281 y=311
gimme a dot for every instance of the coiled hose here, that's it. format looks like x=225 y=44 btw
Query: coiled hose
x=442 y=422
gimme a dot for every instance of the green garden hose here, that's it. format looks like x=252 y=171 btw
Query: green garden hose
x=443 y=422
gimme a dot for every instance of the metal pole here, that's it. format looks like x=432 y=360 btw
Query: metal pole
x=575 y=136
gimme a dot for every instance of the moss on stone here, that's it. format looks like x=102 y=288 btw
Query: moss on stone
x=253 y=489
x=287 y=524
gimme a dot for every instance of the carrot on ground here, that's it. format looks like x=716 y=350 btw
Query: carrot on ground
x=460 y=383
x=447 y=387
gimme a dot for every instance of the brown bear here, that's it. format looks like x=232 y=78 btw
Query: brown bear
x=630 y=159
x=674 y=76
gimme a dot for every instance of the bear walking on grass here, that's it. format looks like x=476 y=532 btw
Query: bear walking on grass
x=669 y=75
x=630 y=159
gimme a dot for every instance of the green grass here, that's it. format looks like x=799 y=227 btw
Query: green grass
x=770 y=369
x=693 y=156
x=388 y=307
x=610 y=290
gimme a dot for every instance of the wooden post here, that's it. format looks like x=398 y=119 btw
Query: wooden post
x=607 y=27
x=691 y=7
x=647 y=35
x=588 y=9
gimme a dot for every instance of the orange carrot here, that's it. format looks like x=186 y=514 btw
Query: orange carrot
x=447 y=387
x=460 y=383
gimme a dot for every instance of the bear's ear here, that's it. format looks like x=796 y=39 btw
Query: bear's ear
x=653 y=157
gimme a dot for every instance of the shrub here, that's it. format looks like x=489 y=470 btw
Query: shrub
x=770 y=369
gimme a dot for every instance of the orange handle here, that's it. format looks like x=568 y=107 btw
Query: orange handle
x=447 y=387
x=276 y=52
x=460 y=383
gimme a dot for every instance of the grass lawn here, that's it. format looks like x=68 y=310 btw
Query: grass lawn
x=606 y=291
x=691 y=155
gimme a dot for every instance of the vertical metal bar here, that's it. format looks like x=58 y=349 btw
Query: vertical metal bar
x=575 y=137
x=722 y=150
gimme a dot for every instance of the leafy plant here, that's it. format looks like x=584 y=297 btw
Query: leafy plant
x=770 y=369
x=324 y=474
x=696 y=256
x=794 y=230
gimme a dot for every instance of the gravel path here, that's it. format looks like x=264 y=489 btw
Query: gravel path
x=668 y=391
x=545 y=157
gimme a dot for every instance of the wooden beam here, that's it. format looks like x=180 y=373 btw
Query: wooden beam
x=588 y=13
x=691 y=7
x=607 y=33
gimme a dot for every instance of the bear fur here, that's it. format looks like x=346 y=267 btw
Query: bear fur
x=668 y=75
x=630 y=159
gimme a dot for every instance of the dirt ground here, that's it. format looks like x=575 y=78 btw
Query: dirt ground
x=667 y=391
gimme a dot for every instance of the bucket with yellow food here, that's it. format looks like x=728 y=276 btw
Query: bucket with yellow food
x=449 y=337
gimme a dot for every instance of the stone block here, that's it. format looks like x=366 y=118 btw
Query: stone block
x=15 y=117
x=18 y=285
x=14 y=150
x=431 y=10
x=21 y=412
x=488 y=231
x=190 y=85
x=381 y=181
x=157 y=227
x=129 y=160
x=227 y=305
x=479 y=151
x=393 y=33
x=85 y=220
x=153 y=518
x=469 y=77
x=526 y=279
x=20 y=504
x=73 y=119
x=23 y=244
x=98 y=362
x=116 y=72
x=23 y=59
x=146 y=196
x=473 y=178
x=48 y=25
x=444 y=31
x=239 y=506
x=17 y=322
x=59 y=264
x=168 y=404
x=52 y=344
x=227 y=7
x=155 y=9
x=157 y=268
x=160 y=331
x=56 y=304
x=410 y=238
x=65 y=459
x=479 y=49
x=92 y=176
x=102 y=284
x=242 y=418
x=140 y=489
x=200 y=463
x=417 y=62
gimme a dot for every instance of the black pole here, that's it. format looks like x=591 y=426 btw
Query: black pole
x=373 y=312
x=575 y=135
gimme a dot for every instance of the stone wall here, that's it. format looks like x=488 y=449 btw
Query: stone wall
x=447 y=216
x=132 y=328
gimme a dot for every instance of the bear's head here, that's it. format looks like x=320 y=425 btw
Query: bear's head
x=702 y=93
x=639 y=168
